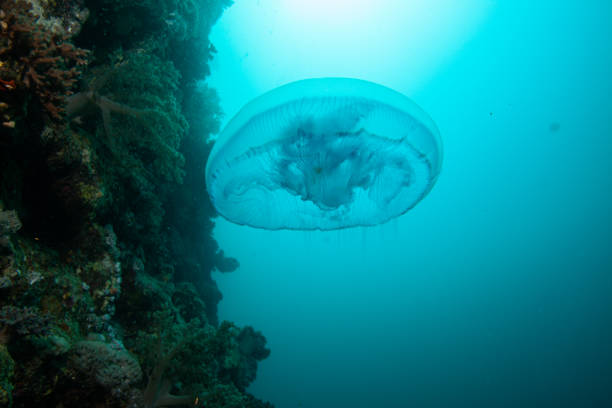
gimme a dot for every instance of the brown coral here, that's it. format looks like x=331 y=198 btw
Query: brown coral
x=36 y=59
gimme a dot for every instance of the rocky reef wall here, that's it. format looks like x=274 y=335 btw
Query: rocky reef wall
x=106 y=247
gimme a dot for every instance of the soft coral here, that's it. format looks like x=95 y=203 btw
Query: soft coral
x=89 y=101
x=157 y=393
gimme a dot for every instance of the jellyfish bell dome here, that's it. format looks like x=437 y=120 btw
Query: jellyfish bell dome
x=323 y=153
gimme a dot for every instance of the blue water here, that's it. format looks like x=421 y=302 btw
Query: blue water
x=496 y=289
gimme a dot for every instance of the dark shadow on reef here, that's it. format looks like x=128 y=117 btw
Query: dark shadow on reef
x=106 y=247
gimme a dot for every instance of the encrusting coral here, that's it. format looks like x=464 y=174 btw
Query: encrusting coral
x=109 y=364
x=25 y=321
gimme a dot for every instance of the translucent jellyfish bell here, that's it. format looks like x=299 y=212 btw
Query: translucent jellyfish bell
x=324 y=154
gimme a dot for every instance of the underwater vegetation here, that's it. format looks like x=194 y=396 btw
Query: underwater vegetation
x=324 y=154
x=106 y=249
x=39 y=65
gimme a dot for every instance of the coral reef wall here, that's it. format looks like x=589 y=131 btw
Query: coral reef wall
x=106 y=247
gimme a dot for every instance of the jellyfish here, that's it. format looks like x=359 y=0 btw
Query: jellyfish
x=323 y=153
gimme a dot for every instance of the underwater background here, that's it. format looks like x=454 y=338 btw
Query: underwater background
x=121 y=285
x=496 y=289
